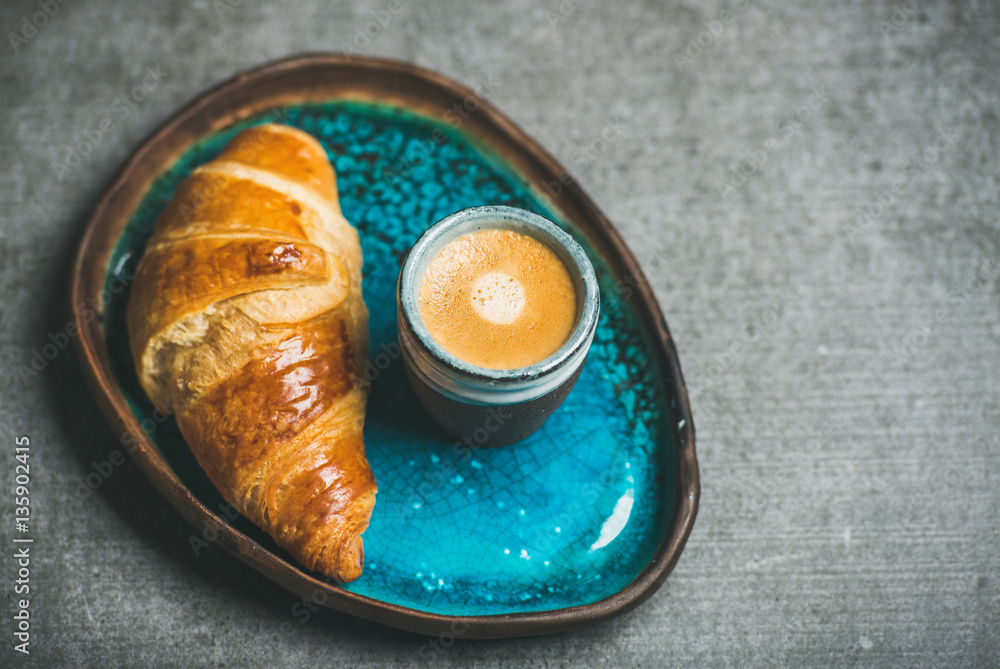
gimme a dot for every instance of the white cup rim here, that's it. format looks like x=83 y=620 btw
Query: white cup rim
x=462 y=380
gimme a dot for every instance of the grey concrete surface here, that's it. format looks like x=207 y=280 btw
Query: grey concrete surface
x=813 y=191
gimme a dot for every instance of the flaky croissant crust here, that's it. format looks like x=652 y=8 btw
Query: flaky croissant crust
x=246 y=319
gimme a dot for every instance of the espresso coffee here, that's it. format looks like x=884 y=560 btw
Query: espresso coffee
x=498 y=299
x=496 y=308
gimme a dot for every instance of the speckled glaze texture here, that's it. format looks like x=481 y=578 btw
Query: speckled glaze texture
x=567 y=517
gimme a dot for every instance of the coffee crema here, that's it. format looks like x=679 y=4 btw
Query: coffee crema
x=498 y=299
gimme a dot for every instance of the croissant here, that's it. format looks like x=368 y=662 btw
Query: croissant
x=246 y=320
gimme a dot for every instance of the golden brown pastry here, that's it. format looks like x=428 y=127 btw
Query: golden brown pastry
x=246 y=320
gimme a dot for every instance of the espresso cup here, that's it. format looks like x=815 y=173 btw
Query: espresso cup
x=486 y=405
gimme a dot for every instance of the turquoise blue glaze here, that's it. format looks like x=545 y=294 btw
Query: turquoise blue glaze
x=567 y=517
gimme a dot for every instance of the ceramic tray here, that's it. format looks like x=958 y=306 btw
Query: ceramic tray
x=581 y=521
